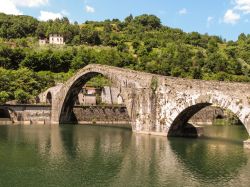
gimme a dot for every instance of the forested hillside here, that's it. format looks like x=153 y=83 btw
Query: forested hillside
x=140 y=43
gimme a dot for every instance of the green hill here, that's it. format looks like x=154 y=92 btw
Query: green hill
x=140 y=43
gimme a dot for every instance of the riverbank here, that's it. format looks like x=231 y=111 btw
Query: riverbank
x=94 y=114
x=40 y=114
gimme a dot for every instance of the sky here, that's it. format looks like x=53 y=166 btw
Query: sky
x=225 y=18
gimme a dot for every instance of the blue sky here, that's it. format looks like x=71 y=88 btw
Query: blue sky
x=225 y=18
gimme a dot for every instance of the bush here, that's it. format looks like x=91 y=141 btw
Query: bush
x=4 y=97
x=22 y=96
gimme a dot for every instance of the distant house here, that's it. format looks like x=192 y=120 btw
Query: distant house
x=88 y=90
x=88 y=95
x=106 y=95
x=54 y=39
x=11 y=44
x=43 y=41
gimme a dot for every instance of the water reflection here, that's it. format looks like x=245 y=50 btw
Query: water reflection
x=98 y=156
x=210 y=160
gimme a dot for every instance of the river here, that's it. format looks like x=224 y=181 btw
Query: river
x=75 y=155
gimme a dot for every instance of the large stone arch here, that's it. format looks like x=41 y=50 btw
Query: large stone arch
x=72 y=96
x=63 y=101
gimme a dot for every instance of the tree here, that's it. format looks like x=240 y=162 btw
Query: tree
x=48 y=60
x=107 y=28
x=129 y=19
x=135 y=45
x=83 y=58
x=122 y=47
x=22 y=96
x=197 y=73
x=216 y=63
x=11 y=58
x=90 y=36
x=17 y=26
x=148 y=21
x=4 y=97
x=242 y=37
x=212 y=46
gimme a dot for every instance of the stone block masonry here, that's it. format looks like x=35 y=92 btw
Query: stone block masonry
x=41 y=114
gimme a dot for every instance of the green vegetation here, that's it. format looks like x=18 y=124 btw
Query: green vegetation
x=229 y=119
x=23 y=84
x=154 y=84
x=140 y=43
x=99 y=81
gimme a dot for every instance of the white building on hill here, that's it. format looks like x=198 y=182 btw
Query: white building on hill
x=56 y=39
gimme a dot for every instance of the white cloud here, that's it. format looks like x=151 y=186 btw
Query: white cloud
x=8 y=7
x=235 y=13
x=30 y=3
x=243 y=5
x=183 y=11
x=231 y=17
x=89 y=9
x=11 y=6
x=209 y=21
x=210 y=18
x=45 y=16
x=65 y=12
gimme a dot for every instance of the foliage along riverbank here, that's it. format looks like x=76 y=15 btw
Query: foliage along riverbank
x=140 y=43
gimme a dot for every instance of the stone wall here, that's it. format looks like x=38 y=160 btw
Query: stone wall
x=41 y=114
x=111 y=95
x=28 y=114
x=102 y=115
x=95 y=115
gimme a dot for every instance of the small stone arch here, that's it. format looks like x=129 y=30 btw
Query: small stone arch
x=8 y=113
x=4 y=113
x=219 y=116
x=49 y=98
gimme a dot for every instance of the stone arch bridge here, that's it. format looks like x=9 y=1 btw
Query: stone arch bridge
x=156 y=104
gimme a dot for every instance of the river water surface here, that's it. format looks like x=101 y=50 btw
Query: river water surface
x=75 y=155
